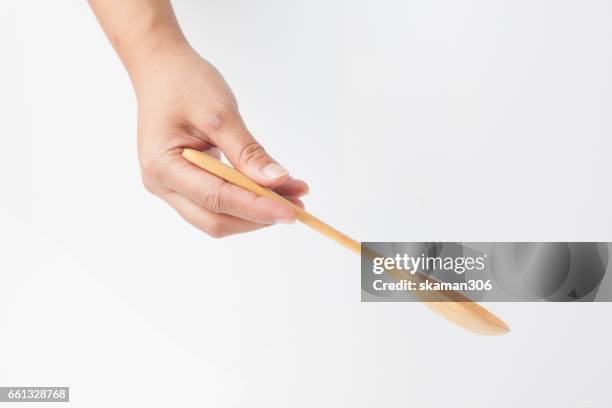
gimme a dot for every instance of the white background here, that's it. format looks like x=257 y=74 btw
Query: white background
x=412 y=121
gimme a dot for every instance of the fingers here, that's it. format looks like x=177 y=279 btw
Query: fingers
x=296 y=201
x=214 y=152
x=227 y=131
x=215 y=225
x=292 y=187
x=221 y=197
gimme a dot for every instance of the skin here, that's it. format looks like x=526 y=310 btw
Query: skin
x=184 y=102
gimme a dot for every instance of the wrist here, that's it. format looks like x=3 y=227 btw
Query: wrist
x=145 y=57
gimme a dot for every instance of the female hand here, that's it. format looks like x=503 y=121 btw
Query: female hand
x=184 y=102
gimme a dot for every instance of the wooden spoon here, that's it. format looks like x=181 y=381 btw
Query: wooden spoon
x=454 y=306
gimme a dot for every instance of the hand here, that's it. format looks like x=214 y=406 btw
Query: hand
x=183 y=101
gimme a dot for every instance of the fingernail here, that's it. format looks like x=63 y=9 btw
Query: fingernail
x=273 y=171
x=284 y=221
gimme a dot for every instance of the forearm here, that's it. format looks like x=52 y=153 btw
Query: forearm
x=139 y=30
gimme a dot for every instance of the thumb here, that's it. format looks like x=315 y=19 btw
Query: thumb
x=229 y=133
